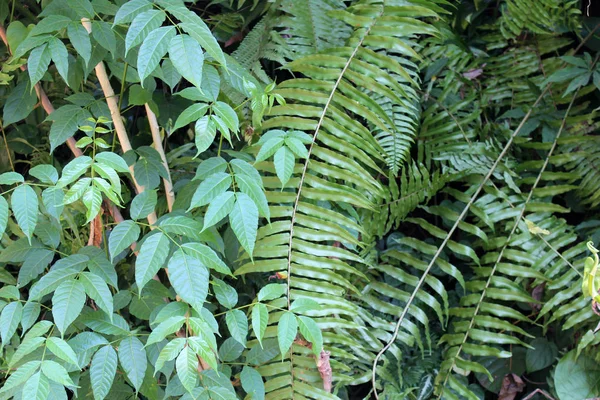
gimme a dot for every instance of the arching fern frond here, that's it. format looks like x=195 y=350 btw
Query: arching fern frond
x=542 y=17
x=313 y=237
x=308 y=28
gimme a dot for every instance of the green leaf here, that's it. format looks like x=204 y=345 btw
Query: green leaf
x=577 y=377
x=130 y=9
x=244 y=221
x=187 y=368
x=187 y=57
x=260 y=318
x=9 y=178
x=192 y=113
x=227 y=114
x=36 y=388
x=252 y=383
x=51 y=281
x=225 y=294
x=38 y=62
x=122 y=236
x=133 y=360
x=9 y=321
x=73 y=170
x=19 y=104
x=168 y=326
x=53 y=201
x=151 y=258
x=209 y=167
x=60 y=56
x=272 y=291
x=287 y=328
x=218 y=209
x=31 y=312
x=269 y=148
x=62 y=350
x=102 y=371
x=143 y=204
x=169 y=352
x=141 y=27
x=27 y=347
x=312 y=333
x=206 y=256
x=237 y=323
x=200 y=346
x=50 y=24
x=45 y=173
x=24 y=204
x=20 y=376
x=248 y=186
x=67 y=120
x=80 y=39
x=284 y=164
x=67 y=302
x=205 y=131
x=104 y=35
x=189 y=278
x=230 y=350
x=56 y=372
x=3 y=215
x=155 y=46
x=199 y=31
x=304 y=304
x=210 y=188
x=98 y=290
x=92 y=200
x=542 y=354
x=113 y=161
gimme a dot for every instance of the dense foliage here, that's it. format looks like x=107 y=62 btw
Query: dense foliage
x=299 y=199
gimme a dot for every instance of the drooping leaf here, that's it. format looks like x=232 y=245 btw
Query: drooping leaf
x=260 y=318
x=37 y=63
x=143 y=23
x=24 y=203
x=252 y=382
x=151 y=258
x=132 y=357
x=62 y=350
x=187 y=57
x=9 y=321
x=237 y=323
x=287 y=328
x=153 y=48
x=102 y=371
x=189 y=277
x=67 y=303
x=244 y=221
x=122 y=236
x=187 y=368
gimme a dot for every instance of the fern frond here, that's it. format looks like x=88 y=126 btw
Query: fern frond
x=542 y=17
x=415 y=187
x=313 y=238
x=308 y=29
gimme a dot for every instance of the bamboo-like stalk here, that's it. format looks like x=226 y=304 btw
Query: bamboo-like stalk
x=115 y=113
x=154 y=128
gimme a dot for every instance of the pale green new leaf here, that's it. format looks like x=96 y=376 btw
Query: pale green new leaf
x=271 y=291
x=168 y=326
x=169 y=352
x=312 y=333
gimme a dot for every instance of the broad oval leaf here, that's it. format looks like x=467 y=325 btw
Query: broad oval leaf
x=244 y=221
x=132 y=357
x=151 y=258
x=67 y=303
x=287 y=329
x=122 y=236
x=189 y=278
x=102 y=371
x=155 y=46
x=187 y=57
x=24 y=203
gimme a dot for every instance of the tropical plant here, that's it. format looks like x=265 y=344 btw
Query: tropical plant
x=391 y=199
